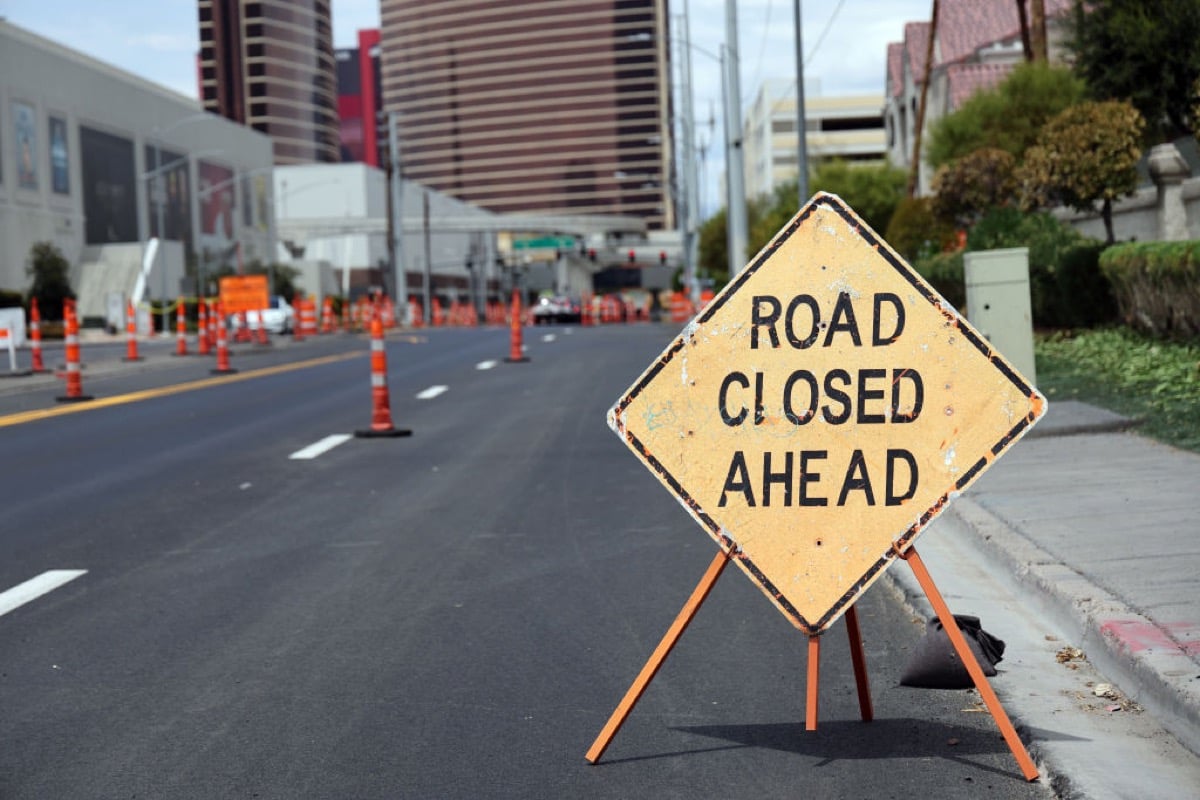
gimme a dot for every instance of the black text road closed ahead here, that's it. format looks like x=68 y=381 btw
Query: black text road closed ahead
x=822 y=410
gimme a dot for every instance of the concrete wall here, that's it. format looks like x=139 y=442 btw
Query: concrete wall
x=46 y=91
x=1137 y=217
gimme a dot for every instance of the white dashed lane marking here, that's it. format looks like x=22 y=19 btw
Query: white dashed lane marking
x=317 y=448
x=549 y=337
x=34 y=588
x=431 y=392
x=485 y=365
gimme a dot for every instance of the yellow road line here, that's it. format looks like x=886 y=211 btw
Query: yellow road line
x=164 y=391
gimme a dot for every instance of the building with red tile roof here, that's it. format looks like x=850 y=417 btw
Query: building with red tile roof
x=976 y=44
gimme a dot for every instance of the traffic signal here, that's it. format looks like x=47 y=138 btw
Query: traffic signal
x=662 y=257
x=632 y=257
x=592 y=254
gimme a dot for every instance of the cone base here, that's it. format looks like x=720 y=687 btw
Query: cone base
x=79 y=398
x=181 y=354
x=135 y=358
x=516 y=360
x=222 y=371
x=385 y=433
x=18 y=373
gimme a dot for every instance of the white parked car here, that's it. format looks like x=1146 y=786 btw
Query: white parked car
x=279 y=317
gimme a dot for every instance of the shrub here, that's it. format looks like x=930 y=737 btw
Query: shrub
x=945 y=272
x=914 y=231
x=965 y=189
x=1067 y=288
x=11 y=299
x=1157 y=286
x=51 y=284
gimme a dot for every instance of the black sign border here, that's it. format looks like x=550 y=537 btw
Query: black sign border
x=829 y=201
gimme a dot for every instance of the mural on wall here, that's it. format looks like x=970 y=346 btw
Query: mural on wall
x=109 y=187
x=218 y=199
x=25 y=124
x=60 y=164
x=174 y=197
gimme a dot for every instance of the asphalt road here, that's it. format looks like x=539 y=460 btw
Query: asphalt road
x=450 y=615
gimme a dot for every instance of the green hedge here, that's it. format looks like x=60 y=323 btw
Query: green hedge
x=944 y=271
x=1067 y=288
x=10 y=298
x=1157 y=286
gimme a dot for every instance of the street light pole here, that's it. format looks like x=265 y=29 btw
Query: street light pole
x=735 y=177
x=400 y=266
x=801 y=122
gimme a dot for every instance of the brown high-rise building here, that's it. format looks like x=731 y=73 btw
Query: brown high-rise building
x=269 y=64
x=536 y=106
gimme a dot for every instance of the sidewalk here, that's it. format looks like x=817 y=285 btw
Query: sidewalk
x=1098 y=529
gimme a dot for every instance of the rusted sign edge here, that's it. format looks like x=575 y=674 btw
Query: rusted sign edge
x=901 y=543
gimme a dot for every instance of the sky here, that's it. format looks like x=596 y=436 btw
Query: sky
x=845 y=44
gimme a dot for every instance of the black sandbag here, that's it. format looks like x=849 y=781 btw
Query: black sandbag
x=935 y=665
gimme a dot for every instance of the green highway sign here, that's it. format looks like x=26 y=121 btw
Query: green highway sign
x=545 y=243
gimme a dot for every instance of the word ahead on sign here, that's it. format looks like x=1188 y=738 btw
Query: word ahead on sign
x=822 y=410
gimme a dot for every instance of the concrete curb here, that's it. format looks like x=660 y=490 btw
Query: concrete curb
x=1124 y=645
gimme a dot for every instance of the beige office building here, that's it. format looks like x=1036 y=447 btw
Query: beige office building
x=848 y=127
x=537 y=106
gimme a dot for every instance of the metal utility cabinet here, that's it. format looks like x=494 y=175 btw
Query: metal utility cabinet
x=998 y=303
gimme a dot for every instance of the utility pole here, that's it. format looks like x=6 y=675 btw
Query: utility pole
x=690 y=194
x=734 y=175
x=427 y=291
x=801 y=122
x=396 y=221
x=1037 y=34
x=915 y=169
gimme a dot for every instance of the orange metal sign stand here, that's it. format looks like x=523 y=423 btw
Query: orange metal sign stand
x=717 y=566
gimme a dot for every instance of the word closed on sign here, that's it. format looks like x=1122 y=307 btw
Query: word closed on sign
x=822 y=410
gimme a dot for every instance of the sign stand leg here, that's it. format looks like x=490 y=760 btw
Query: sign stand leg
x=860 y=665
x=968 y=659
x=814 y=674
x=658 y=656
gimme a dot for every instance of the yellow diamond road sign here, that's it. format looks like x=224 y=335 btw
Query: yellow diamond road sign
x=822 y=410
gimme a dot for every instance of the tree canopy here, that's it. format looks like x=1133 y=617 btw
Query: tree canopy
x=1086 y=154
x=1143 y=51
x=1006 y=117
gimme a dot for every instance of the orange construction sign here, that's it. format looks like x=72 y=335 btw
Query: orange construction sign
x=821 y=411
x=243 y=293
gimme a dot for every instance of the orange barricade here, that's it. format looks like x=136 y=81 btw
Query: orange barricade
x=381 y=412
x=681 y=308
x=71 y=351
x=327 y=315
x=35 y=338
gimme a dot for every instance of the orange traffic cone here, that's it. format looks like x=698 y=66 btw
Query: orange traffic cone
x=35 y=338
x=131 y=347
x=381 y=412
x=516 y=353
x=202 y=342
x=222 y=367
x=180 y=328
x=327 y=314
x=71 y=342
